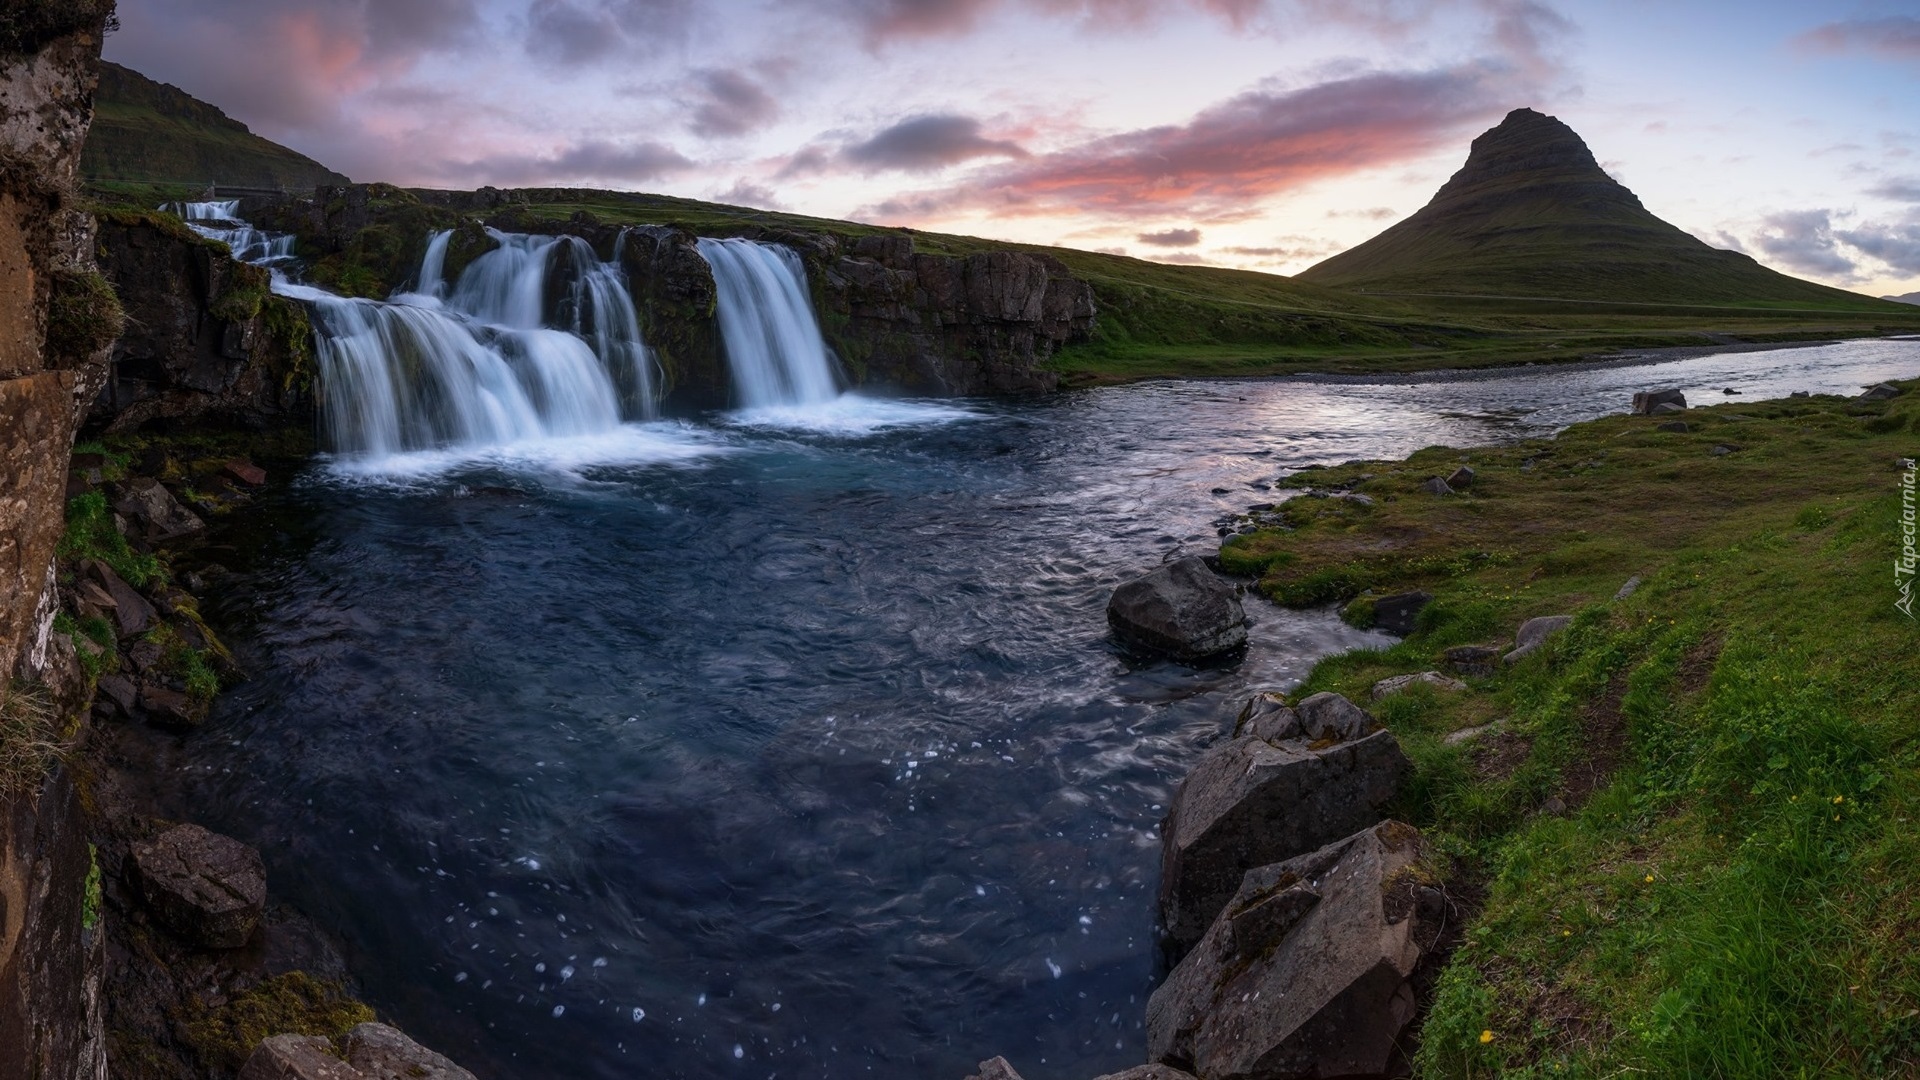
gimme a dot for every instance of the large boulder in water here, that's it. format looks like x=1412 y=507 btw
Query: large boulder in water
x=1182 y=610
x=1308 y=971
x=1647 y=402
x=1251 y=802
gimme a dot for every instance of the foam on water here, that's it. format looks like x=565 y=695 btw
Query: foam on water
x=850 y=415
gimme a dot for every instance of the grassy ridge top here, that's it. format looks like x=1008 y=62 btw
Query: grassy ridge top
x=1532 y=214
x=148 y=132
x=1688 y=823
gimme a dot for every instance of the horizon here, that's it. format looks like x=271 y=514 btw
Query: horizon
x=1310 y=128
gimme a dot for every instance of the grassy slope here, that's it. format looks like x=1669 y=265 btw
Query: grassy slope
x=147 y=133
x=1158 y=319
x=1734 y=887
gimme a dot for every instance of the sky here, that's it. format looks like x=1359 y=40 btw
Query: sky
x=1261 y=134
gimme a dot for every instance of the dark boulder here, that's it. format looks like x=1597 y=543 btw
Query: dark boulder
x=1461 y=478
x=207 y=888
x=1677 y=427
x=1307 y=972
x=1250 y=802
x=149 y=506
x=1646 y=402
x=1182 y=610
x=1396 y=614
x=1882 y=392
x=1267 y=716
x=1471 y=659
x=1434 y=485
x=132 y=614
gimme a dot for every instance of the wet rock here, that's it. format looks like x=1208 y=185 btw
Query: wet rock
x=1249 y=802
x=1436 y=486
x=207 y=888
x=296 y=1057
x=1729 y=391
x=119 y=690
x=1646 y=402
x=384 y=1053
x=1470 y=659
x=169 y=707
x=1396 y=614
x=154 y=511
x=1882 y=392
x=1632 y=586
x=996 y=1068
x=1183 y=610
x=1401 y=683
x=1534 y=633
x=1307 y=972
x=1328 y=715
x=1266 y=716
x=132 y=614
x=1678 y=427
x=246 y=472
x=1799 y=394
x=1462 y=478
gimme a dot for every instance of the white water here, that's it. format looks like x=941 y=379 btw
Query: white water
x=211 y=210
x=774 y=349
x=220 y=220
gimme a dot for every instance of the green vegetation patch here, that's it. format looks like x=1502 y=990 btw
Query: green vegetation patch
x=1691 y=814
x=83 y=315
x=91 y=535
x=29 y=735
x=292 y=1004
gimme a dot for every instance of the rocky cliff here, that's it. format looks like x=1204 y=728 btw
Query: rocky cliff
x=56 y=321
x=204 y=341
x=900 y=319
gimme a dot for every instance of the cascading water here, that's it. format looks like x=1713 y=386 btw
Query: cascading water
x=220 y=220
x=536 y=339
x=774 y=348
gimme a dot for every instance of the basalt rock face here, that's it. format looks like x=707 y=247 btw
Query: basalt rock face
x=899 y=319
x=204 y=340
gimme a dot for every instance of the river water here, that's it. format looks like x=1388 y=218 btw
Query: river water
x=787 y=743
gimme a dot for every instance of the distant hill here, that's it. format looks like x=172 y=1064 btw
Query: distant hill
x=1532 y=214
x=1904 y=298
x=152 y=133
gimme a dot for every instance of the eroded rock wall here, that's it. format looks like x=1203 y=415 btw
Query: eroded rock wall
x=55 y=323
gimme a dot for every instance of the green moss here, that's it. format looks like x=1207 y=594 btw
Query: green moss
x=91 y=535
x=292 y=1004
x=243 y=297
x=90 y=899
x=98 y=632
x=83 y=315
x=182 y=663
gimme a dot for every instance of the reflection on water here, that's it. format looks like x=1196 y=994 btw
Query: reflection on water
x=795 y=749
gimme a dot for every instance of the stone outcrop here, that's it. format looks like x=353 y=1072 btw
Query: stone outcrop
x=1400 y=684
x=1320 y=773
x=1650 y=402
x=1308 y=972
x=207 y=888
x=383 y=1053
x=1396 y=614
x=205 y=340
x=1183 y=610
x=297 y=1057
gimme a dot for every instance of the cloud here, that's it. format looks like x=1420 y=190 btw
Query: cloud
x=1896 y=245
x=1804 y=240
x=927 y=142
x=886 y=20
x=581 y=32
x=745 y=192
x=1185 y=258
x=1371 y=213
x=728 y=104
x=589 y=161
x=1895 y=37
x=1170 y=238
x=1898 y=189
x=1258 y=143
x=1290 y=247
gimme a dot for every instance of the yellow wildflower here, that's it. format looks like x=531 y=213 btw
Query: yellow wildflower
x=1486 y=1036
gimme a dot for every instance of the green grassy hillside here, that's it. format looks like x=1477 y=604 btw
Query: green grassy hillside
x=150 y=133
x=1532 y=215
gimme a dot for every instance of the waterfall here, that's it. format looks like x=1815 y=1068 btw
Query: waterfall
x=773 y=343
x=220 y=220
x=537 y=338
x=212 y=210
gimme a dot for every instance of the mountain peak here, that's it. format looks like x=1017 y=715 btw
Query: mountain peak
x=1531 y=147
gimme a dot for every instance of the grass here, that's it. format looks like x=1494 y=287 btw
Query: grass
x=29 y=735
x=91 y=535
x=1691 y=814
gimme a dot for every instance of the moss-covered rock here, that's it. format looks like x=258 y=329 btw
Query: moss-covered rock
x=83 y=315
x=292 y=1004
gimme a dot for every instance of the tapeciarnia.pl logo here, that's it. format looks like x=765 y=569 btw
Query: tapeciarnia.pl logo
x=1903 y=567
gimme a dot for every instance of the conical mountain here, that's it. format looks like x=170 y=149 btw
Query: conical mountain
x=151 y=132
x=1532 y=214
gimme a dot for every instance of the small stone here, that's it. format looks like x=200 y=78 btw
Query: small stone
x=1632 y=586
x=159 y=517
x=207 y=888
x=995 y=1069
x=1462 y=478
x=1729 y=390
x=246 y=472
x=1881 y=392
x=1267 y=717
x=1330 y=716
x=119 y=690
x=1401 y=683
x=1678 y=427
x=170 y=708
x=132 y=613
x=1468 y=734
x=1799 y=394
x=1724 y=449
x=1470 y=659
x=1148 y=1072
x=1554 y=806
x=1436 y=486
